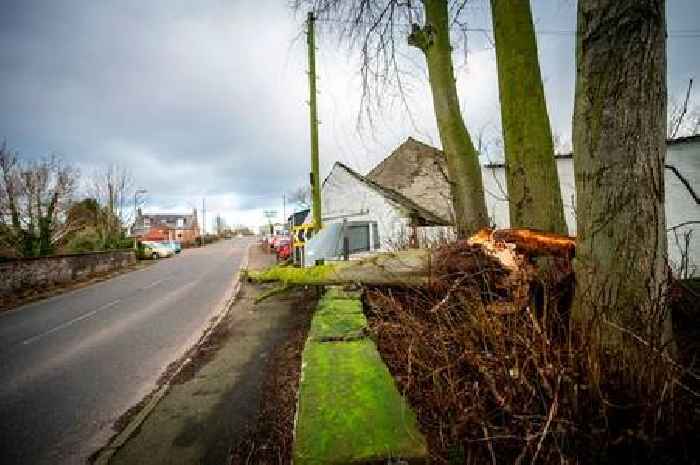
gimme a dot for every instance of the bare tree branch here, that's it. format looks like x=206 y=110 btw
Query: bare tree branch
x=684 y=181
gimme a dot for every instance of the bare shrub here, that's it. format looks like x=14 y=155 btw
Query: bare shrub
x=498 y=379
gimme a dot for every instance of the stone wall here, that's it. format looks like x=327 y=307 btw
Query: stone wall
x=40 y=272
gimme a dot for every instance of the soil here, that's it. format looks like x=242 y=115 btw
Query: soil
x=269 y=440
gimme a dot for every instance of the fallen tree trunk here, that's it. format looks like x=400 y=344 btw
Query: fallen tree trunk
x=504 y=254
x=408 y=267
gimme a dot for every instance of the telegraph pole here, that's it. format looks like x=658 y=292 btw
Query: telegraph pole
x=136 y=215
x=315 y=182
x=204 y=218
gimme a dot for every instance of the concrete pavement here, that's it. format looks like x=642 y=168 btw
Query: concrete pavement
x=71 y=365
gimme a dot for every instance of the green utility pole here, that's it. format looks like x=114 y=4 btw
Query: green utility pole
x=315 y=182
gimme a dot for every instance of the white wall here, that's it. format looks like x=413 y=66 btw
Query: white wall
x=343 y=195
x=496 y=192
x=680 y=206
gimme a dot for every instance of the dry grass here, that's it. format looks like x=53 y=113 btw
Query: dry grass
x=496 y=378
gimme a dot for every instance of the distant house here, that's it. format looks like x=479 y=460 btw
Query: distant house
x=407 y=195
x=166 y=226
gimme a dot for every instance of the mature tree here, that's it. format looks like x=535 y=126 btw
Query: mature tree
x=112 y=187
x=373 y=26
x=301 y=197
x=619 y=149
x=83 y=214
x=80 y=229
x=531 y=171
x=33 y=198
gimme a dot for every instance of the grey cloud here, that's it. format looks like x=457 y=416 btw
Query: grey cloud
x=209 y=97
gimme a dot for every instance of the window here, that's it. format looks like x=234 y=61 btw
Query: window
x=180 y=222
x=358 y=237
x=375 y=236
x=147 y=221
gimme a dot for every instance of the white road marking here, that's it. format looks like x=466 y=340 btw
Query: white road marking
x=71 y=322
x=153 y=284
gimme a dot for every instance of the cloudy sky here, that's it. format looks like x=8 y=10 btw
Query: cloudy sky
x=208 y=98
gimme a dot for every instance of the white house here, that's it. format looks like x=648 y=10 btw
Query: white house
x=376 y=217
x=407 y=196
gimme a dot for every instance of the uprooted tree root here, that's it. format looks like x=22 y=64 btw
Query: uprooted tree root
x=497 y=376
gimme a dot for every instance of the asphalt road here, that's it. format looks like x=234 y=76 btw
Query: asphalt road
x=72 y=364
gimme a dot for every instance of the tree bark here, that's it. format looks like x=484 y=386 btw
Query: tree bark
x=531 y=171
x=619 y=151
x=463 y=165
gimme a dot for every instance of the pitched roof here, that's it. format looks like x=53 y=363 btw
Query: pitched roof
x=395 y=197
x=417 y=171
x=170 y=219
x=298 y=218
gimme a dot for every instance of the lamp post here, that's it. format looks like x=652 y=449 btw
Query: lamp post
x=269 y=214
x=136 y=194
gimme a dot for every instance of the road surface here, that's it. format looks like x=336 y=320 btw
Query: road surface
x=72 y=364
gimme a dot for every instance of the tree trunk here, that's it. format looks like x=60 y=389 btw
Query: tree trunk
x=463 y=165
x=46 y=226
x=531 y=171
x=619 y=150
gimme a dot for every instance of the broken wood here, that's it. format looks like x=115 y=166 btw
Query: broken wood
x=504 y=256
x=409 y=267
x=529 y=242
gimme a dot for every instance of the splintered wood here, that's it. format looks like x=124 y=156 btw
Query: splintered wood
x=531 y=257
x=501 y=264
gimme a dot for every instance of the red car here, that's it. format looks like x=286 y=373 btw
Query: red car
x=283 y=247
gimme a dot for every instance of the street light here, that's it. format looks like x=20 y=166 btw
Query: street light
x=270 y=214
x=136 y=193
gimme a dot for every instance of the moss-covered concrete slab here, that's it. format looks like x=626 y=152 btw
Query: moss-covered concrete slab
x=349 y=409
x=337 y=326
x=337 y=292
x=338 y=306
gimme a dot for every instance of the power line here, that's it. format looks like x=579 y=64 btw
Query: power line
x=680 y=33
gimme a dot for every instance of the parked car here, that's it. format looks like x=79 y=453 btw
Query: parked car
x=156 y=250
x=175 y=245
x=283 y=248
x=278 y=240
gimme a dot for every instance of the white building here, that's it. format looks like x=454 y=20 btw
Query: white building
x=408 y=194
x=376 y=217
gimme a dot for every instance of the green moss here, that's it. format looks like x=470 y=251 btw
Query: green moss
x=337 y=292
x=532 y=181
x=339 y=306
x=349 y=409
x=289 y=274
x=463 y=167
x=272 y=292
x=330 y=325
